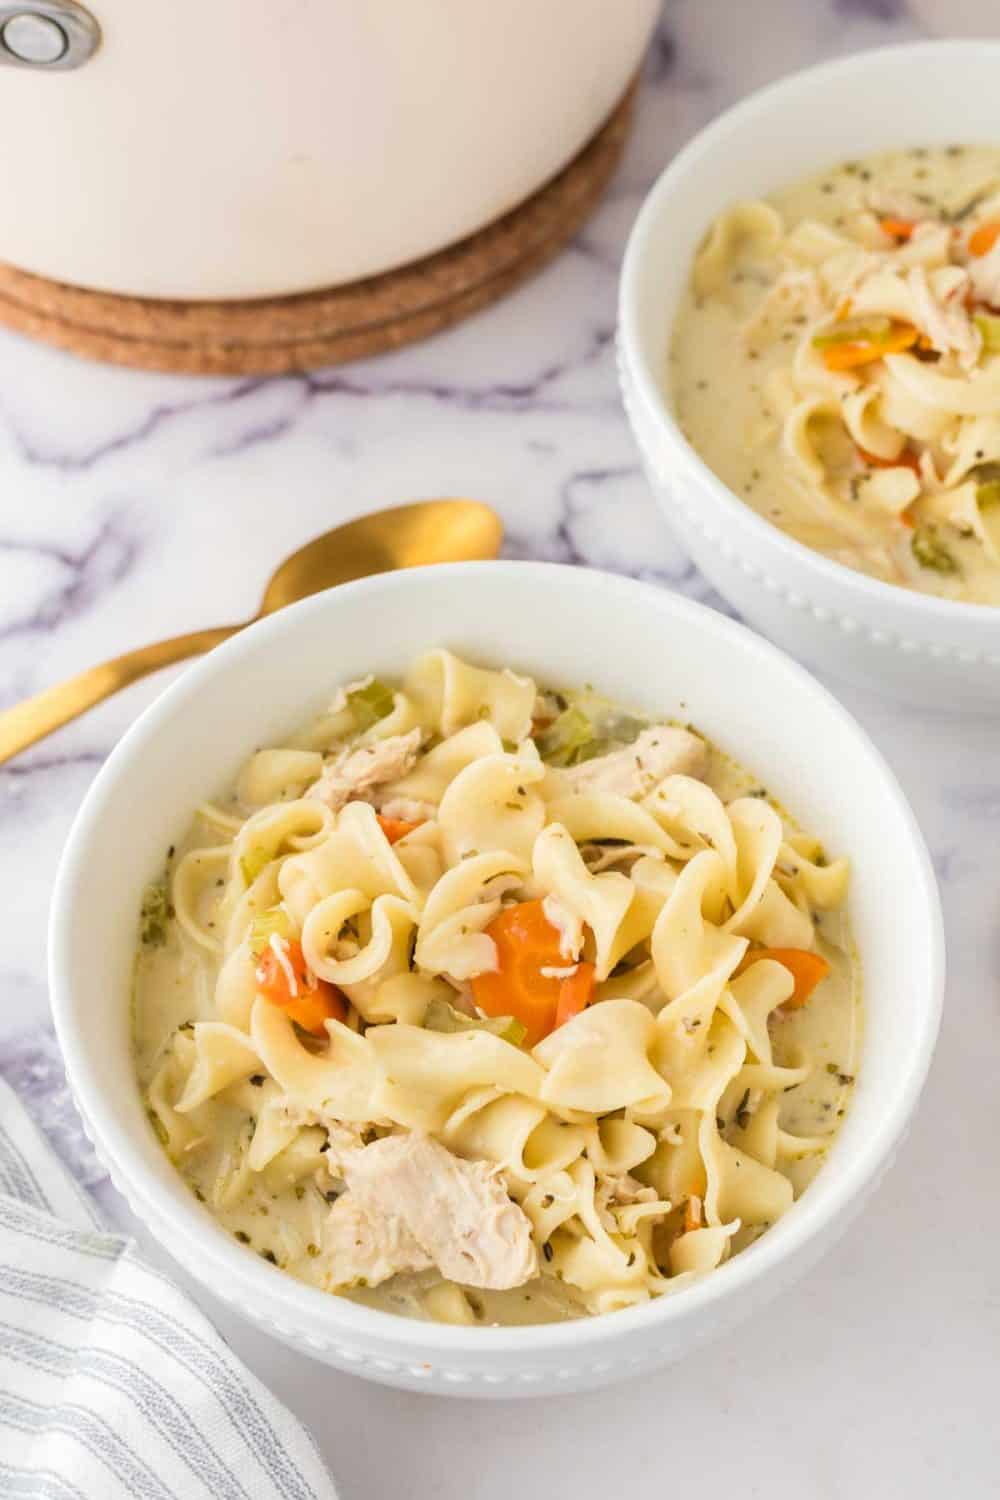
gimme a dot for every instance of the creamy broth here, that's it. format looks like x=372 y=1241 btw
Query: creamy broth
x=226 y=1093
x=835 y=363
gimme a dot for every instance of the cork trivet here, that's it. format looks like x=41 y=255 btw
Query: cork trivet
x=271 y=335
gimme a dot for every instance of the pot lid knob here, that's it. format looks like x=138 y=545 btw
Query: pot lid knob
x=47 y=34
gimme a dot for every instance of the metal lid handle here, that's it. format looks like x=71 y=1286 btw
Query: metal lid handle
x=47 y=35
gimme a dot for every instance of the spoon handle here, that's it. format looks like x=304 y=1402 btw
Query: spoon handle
x=32 y=720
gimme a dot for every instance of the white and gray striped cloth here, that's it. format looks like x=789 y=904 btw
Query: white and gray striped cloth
x=112 y=1385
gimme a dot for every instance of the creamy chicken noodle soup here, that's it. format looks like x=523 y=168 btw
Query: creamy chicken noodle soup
x=490 y=1004
x=836 y=363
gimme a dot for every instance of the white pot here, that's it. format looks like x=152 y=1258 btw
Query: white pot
x=242 y=148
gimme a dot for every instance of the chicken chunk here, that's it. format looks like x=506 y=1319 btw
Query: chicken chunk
x=943 y=316
x=619 y=1192
x=364 y=1246
x=408 y=1191
x=636 y=770
x=357 y=773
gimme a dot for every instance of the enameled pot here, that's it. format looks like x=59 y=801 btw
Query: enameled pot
x=253 y=148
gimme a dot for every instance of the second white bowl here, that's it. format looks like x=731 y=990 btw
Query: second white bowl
x=926 y=650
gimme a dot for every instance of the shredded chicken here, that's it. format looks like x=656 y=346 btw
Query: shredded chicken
x=636 y=770
x=364 y=1246
x=357 y=773
x=794 y=293
x=407 y=1195
x=619 y=1192
x=341 y=1139
x=944 y=318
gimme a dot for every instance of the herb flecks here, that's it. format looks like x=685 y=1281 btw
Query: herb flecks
x=156 y=915
x=930 y=552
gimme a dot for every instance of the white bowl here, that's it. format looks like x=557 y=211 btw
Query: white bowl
x=926 y=650
x=637 y=643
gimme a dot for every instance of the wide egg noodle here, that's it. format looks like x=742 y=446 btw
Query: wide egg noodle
x=452 y=694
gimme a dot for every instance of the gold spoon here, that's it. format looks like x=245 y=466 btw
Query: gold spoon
x=430 y=531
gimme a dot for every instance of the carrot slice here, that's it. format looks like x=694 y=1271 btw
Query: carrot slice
x=395 y=828
x=899 y=229
x=849 y=356
x=807 y=969
x=283 y=977
x=527 y=945
x=312 y=1009
x=906 y=460
x=982 y=240
x=692 y=1213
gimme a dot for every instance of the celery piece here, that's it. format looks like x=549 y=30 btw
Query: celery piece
x=989 y=327
x=157 y=912
x=268 y=924
x=590 y=751
x=564 y=740
x=931 y=552
x=252 y=863
x=370 y=703
x=873 y=330
x=444 y=1017
x=988 y=494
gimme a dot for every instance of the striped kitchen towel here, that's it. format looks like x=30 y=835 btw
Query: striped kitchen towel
x=112 y=1384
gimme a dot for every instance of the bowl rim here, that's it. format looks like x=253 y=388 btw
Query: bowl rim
x=323 y=1321
x=655 y=206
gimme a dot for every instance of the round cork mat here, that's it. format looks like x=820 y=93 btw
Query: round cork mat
x=276 y=334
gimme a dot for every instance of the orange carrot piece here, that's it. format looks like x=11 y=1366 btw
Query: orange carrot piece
x=526 y=943
x=851 y=356
x=898 y=229
x=807 y=969
x=906 y=460
x=982 y=240
x=396 y=828
x=287 y=982
x=317 y=1006
x=692 y=1213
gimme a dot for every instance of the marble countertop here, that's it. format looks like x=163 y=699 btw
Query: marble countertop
x=135 y=506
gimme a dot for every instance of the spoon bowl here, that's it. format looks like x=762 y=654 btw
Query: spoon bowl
x=407 y=536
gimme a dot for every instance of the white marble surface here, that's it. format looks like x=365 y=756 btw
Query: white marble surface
x=135 y=506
